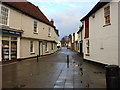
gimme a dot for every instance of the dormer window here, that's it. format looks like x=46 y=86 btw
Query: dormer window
x=35 y=27
x=4 y=15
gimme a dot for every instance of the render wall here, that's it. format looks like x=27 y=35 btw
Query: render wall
x=20 y=21
x=119 y=33
x=103 y=40
x=25 y=48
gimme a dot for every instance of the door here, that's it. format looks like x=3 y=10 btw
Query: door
x=81 y=49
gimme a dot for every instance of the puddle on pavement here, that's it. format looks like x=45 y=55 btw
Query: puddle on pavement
x=58 y=86
x=98 y=73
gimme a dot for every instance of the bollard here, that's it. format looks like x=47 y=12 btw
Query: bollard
x=67 y=61
x=112 y=76
x=37 y=58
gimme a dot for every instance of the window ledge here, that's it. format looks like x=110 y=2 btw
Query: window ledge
x=87 y=54
x=47 y=51
x=106 y=25
x=35 y=32
x=32 y=53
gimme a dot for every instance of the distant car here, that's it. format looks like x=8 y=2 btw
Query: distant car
x=68 y=47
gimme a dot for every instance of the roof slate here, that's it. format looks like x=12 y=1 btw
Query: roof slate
x=29 y=9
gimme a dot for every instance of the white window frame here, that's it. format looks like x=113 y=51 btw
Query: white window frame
x=46 y=46
x=32 y=51
x=1 y=15
x=87 y=47
x=35 y=32
x=109 y=15
x=49 y=32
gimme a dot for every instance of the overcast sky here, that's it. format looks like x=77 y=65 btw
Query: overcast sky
x=65 y=13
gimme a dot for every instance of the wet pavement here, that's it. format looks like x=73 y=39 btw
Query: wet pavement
x=52 y=72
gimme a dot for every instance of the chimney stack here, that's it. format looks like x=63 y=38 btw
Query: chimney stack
x=52 y=22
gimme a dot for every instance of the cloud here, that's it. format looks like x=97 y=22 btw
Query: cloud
x=66 y=15
x=67 y=21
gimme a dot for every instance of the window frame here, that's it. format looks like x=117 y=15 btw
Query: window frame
x=49 y=32
x=35 y=26
x=7 y=16
x=87 y=47
x=32 y=45
x=46 y=46
x=107 y=14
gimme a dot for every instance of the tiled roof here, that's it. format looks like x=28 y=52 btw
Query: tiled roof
x=29 y=9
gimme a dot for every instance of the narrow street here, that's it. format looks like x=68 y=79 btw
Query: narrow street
x=52 y=72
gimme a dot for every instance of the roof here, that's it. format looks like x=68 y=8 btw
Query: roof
x=80 y=29
x=95 y=8
x=29 y=9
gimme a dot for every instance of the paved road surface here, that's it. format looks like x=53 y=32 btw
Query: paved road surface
x=52 y=72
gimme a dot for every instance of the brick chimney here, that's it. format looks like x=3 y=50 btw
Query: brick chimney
x=52 y=22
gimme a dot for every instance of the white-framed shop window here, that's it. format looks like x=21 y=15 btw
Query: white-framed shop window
x=9 y=48
x=4 y=17
x=31 y=47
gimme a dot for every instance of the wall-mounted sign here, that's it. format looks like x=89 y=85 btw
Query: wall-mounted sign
x=13 y=33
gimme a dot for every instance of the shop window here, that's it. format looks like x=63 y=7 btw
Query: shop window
x=9 y=48
x=13 y=50
x=107 y=15
x=4 y=15
x=5 y=50
x=35 y=27
x=31 y=47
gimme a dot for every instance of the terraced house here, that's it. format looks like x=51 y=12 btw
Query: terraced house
x=101 y=33
x=26 y=32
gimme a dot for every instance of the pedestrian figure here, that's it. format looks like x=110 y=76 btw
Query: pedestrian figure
x=67 y=61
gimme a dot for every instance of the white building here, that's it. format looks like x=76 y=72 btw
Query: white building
x=26 y=32
x=59 y=44
x=101 y=26
x=80 y=40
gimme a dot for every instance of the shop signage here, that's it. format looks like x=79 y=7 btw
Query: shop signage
x=6 y=32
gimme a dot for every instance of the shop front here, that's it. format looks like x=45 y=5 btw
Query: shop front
x=10 y=47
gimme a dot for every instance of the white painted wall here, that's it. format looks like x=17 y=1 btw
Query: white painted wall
x=0 y=48
x=104 y=37
x=119 y=33
x=20 y=21
x=25 y=48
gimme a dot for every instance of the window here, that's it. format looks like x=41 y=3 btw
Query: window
x=107 y=15
x=52 y=47
x=9 y=48
x=35 y=27
x=31 y=47
x=49 y=32
x=87 y=47
x=46 y=47
x=4 y=15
